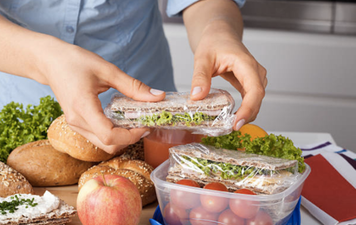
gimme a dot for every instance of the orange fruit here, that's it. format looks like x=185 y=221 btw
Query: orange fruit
x=253 y=130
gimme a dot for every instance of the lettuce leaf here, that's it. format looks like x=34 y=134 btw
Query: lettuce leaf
x=276 y=146
x=270 y=145
x=232 y=141
x=167 y=118
x=19 y=126
x=224 y=170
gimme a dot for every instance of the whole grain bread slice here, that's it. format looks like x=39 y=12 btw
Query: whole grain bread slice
x=174 y=102
x=207 y=124
x=51 y=221
x=259 y=184
x=200 y=151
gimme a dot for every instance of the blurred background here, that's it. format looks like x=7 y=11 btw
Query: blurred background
x=309 y=51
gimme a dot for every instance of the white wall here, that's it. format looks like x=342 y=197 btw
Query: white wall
x=312 y=80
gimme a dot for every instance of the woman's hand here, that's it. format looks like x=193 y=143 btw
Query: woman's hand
x=77 y=77
x=215 y=32
x=224 y=55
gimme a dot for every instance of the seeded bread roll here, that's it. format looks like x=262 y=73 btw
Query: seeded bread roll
x=65 y=140
x=134 y=151
x=12 y=182
x=136 y=171
x=42 y=165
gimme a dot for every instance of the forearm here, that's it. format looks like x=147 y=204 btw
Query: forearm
x=22 y=51
x=207 y=17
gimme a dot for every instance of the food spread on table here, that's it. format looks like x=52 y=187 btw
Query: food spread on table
x=246 y=162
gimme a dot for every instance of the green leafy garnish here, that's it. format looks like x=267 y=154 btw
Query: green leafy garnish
x=270 y=145
x=19 y=126
x=167 y=118
x=11 y=207
x=232 y=141
x=224 y=170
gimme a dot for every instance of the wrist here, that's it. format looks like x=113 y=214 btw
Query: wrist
x=46 y=53
x=222 y=28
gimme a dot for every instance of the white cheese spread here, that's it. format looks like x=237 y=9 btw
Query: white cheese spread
x=46 y=203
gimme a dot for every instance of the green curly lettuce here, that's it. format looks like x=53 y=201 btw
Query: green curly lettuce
x=167 y=118
x=270 y=145
x=19 y=126
x=232 y=141
x=224 y=170
x=276 y=146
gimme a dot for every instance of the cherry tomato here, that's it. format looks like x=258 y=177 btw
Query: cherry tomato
x=262 y=218
x=184 y=199
x=174 y=215
x=211 y=203
x=216 y=186
x=227 y=217
x=188 y=182
x=199 y=216
x=244 y=208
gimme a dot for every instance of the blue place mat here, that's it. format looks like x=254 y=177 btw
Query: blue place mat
x=293 y=220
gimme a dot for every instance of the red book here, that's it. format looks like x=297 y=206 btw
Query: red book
x=326 y=188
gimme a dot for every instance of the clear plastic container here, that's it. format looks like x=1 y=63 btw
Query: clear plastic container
x=184 y=204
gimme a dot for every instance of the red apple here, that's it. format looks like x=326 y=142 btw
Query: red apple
x=109 y=200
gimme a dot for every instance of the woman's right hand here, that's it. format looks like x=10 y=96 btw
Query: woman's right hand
x=77 y=76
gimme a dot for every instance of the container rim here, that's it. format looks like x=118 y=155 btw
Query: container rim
x=162 y=183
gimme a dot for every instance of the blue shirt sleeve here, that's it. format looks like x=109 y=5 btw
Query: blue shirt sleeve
x=175 y=7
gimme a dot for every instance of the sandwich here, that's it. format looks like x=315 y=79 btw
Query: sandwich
x=235 y=169
x=175 y=110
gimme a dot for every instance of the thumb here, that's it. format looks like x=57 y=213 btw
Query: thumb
x=134 y=88
x=201 y=78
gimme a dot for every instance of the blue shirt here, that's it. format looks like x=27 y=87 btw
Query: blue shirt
x=127 y=33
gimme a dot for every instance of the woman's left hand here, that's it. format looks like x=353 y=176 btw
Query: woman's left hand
x=215 y=34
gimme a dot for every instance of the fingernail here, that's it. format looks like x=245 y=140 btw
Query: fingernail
x=145 y=134
x=156 y=92
x=239 y=124
x=196 y=90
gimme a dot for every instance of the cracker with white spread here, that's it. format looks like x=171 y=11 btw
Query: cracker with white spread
x=35 y=209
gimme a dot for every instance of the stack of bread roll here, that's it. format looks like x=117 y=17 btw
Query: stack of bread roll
x=67 y=156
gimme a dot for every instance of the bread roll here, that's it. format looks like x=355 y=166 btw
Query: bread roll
x=64 y=139
x=135 y=170
x=12 y=182
x=42 y=165
x=134 y=151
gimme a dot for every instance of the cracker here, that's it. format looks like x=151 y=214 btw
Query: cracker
x=173 y=102
x=232 y=157
x=61 y=215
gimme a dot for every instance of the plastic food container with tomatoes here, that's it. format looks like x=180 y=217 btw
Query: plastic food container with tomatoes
x=189 y=205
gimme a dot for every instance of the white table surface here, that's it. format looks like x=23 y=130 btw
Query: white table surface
x=303 y=138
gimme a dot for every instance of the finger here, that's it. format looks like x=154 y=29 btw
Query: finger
x=263 y=75
x=94 y=121
x=104 y=129
x=202 y=75
x=111 y=149
x=265 y=82
x=252 y=99
x=130 y=86
x=114 y=148
x=230 y=77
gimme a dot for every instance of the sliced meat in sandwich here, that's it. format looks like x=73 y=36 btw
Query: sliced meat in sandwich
x=176 y=110
x=235 y=169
